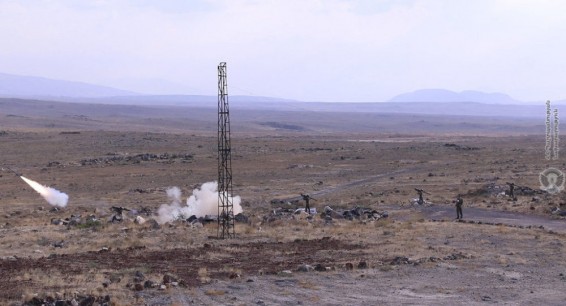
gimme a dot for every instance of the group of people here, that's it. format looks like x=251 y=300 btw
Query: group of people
x=459 y=201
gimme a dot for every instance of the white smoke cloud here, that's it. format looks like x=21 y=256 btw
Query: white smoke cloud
x=204 y=201
x=51 y=195
x=171 y=212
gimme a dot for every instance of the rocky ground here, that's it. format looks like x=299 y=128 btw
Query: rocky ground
x=506 y=251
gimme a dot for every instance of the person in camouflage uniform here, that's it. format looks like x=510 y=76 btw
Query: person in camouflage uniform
x=307 y=198
x=459 y=202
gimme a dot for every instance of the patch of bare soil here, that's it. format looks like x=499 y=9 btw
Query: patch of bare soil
x=249 y=259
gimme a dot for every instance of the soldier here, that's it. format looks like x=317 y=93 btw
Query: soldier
x=511 y=190
x=420 y=192
x=307 y=198
x=459 y=203
x=118 y=215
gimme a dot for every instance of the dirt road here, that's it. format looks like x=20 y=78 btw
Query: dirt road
x=448 y=212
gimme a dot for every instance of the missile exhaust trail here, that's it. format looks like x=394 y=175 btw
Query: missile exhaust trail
x=51 y=195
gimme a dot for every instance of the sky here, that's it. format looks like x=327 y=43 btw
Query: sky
x=308 y=50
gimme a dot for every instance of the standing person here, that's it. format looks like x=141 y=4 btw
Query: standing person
x=307 y=198
x=459 y=203
x=511 y=190
x=420 y=192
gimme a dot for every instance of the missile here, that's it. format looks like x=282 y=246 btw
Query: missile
x=11 y=170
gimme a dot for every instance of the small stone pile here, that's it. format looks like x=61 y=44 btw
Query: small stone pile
x=135 y=159
x=200 y=221
x=328 y=214
x=357 y=213
x=76 y=220
x=141 y=283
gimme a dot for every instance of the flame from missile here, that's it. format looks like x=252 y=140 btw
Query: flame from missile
x=51 y=195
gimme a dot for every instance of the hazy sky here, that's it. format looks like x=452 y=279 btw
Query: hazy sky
x=325 y=50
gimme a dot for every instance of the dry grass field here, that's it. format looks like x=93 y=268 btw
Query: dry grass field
x=505 y=251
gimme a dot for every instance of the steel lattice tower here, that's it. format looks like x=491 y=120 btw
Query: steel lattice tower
x=225 y=204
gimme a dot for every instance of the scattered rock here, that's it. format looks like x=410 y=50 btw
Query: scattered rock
x=153 y=224
x=559 y=212
x=59 y=244
x=399 y=260
x=135 y=159
x=241 y=218
x=208 y=219
x=285 y=273
x=331 y=213
x=234 y=275
x=168 y=278
x=149 y=284
x=358 y=213
x=305 y=268
x=79 y=300
x=139 y=220
x=460 y=147
x=320 y=268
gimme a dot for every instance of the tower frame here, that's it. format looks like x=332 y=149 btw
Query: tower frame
x=225 y=201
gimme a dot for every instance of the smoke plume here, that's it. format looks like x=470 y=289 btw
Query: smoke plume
x=52 y=196
x=204 y=201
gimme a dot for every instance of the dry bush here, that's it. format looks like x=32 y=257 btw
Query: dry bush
x=308 y=285
x=203 y=275
x=383 y=223
x=214 y=292
x=245 y=229
x=502 y=229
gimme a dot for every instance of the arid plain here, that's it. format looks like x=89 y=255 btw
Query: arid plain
x=504 y=251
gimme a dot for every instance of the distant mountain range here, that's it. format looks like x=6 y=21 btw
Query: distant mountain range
x=37 y=87
x=14 y=86
x=30 y=87
x=443 y=95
